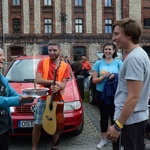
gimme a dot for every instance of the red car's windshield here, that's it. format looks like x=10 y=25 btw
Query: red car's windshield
x=22 y=70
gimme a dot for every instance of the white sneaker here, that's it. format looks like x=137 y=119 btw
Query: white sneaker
x=101 y=144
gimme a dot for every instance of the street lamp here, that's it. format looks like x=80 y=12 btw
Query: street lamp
x=63 y=18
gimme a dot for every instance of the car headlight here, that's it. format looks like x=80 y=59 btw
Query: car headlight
x=72 y=105
x=12 y=109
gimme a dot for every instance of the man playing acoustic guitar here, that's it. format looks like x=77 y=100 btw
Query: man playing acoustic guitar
x=46 y=70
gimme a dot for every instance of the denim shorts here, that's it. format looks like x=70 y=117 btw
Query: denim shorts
x=39 y=110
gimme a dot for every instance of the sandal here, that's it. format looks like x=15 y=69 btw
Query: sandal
x=54 y=148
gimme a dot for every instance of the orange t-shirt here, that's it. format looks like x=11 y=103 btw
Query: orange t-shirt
x=86 y=65
x=51 y=72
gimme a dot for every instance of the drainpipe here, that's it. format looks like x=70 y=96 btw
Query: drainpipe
x=3 y=34
x=121 y=6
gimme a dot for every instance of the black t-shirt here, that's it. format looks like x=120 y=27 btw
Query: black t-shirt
x=77 y=68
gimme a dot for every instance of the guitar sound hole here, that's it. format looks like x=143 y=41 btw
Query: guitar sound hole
x=49 y=118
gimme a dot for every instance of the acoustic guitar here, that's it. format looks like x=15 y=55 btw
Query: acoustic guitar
x=53 y=118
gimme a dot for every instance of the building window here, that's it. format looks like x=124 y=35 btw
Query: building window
x=78 y=3
x=147 y=49
x=79 y=52
x=16 y=25
x=48 y=25
x=16 y=2
x=108 y=26
x=147 y=22
x=48 y=2
x=78 y=26
x=16 y=51
x=108 y=2
x=44 y=50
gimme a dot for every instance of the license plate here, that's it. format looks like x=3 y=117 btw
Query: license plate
x=25 y=124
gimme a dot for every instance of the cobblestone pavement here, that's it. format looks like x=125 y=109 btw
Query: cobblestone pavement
x=87 y=140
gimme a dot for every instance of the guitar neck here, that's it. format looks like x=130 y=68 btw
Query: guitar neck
x=54 y=81
x=52 y=97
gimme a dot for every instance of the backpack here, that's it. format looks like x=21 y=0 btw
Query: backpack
x=85 y=73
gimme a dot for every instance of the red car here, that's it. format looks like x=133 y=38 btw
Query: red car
x=21 y=75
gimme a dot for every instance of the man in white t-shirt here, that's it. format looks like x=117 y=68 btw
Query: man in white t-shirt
x=131 y=99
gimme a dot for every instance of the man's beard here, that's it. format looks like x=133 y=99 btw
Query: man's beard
x=55 y=57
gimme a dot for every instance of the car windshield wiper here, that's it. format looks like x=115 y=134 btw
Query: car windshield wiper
x=29 y=80
x=15 y=81
x=23 y=81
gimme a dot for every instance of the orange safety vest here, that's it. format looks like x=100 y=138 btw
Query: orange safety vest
x=61 y=70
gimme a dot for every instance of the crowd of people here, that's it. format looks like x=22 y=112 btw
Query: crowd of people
x=122 y=89
x=82 y=67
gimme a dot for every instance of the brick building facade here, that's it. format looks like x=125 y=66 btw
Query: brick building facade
x=81 y=26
